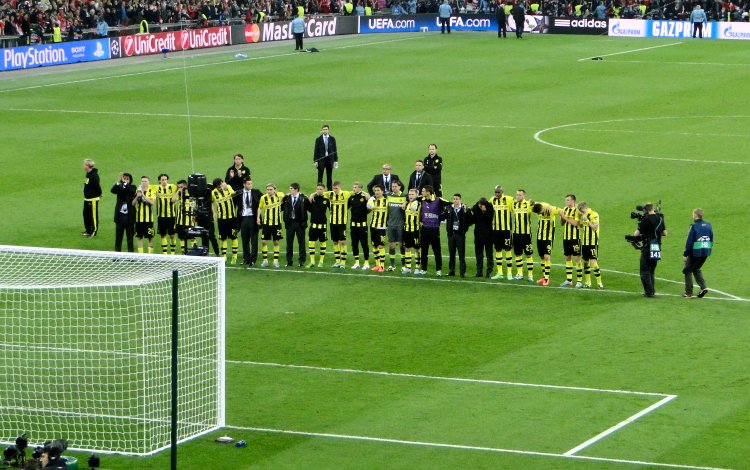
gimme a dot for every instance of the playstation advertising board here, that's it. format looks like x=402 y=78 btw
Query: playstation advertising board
x=26 y=57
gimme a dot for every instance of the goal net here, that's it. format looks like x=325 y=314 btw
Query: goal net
x=85 y=348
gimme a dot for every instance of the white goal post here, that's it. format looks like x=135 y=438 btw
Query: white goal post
x=85 y=348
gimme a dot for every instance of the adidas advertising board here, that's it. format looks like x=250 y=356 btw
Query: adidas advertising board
x=591 y=26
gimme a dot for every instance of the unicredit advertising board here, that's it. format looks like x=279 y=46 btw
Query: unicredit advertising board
x=145 y=44
x=556 y=25
x=27 y=57
x=314 y=28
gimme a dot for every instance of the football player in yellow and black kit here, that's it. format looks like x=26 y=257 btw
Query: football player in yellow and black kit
x=145 y=198
x=318 y=206
x=167 y=212
x=522 y=235
x=570 y=219
x=545 y=237
x=502 y=229
x=339 y=216
x=222 y=196
x=590 y=244
x=358 y=206
x=269 y=217
x=378 y=205
x=412 y=224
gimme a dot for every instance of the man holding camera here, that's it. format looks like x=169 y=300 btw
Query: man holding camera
x=650 y=229
x=124 y=211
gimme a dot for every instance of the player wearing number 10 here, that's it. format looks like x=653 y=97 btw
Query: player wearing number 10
x=590 y=244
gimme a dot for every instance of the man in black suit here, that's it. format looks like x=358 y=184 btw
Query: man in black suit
x=519 y=17
x=326 y=156
x=419 y=178
x=124 y=211
x=383 y=180
x=247 y=212
x=457 y=223
x=295 y=221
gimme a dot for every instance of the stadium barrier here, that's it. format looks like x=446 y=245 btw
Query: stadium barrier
x=25 y=57
x=677 y=29
x=423 y=23
x=556 y=25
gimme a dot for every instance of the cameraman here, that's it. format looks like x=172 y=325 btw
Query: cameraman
x=124 y=211
x=650 y=228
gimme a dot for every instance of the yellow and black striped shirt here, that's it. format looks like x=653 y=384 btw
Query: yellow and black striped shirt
x=571 y=231
x=339 y=206
x=270 y=208
x=184 y=215
x=379 y=213
x=412 y=216
x=224 y=200
x=503 y=208
x=164 y=204
x=522 y=217
x=590 y=236
x=546 y=228
x=144 y=212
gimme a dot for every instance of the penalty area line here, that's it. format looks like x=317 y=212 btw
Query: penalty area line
x=384 y=440
x=620 y=425
x=630 y=51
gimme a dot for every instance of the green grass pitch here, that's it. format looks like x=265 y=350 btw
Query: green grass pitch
x=345 y=370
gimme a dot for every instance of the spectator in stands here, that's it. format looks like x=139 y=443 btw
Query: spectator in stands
x=360 y=10
x=102 y=28
x=600 y=13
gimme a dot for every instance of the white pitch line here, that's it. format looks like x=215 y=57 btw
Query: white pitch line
x=631 y=51
x=260 y=118
x=620 y=425
x=517 y=284
x=691 y=64
x=538 y=138
x=466 y=447
x=183 y=67
x=448 y=379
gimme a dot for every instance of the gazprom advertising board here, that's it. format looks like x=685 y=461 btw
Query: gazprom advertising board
x=677 y=29
x=27 y=57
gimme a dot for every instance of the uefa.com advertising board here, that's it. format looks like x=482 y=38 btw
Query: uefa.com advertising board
x=424 y=23
x=43 y=55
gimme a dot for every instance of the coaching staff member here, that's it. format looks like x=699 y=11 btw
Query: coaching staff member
x=92 y=193
x=698 y=247
x=326 y=156
x=247 y=212
x=295 y=221
x=519 y=17
x=651 y=228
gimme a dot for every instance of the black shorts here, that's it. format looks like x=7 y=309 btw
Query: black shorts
x=544 y=247
x=522 y=245
x=411 y=239
x=377 y=235
x=502 y=240
x=144 y=230
x=317 y=233
x=572 y=247
x=338 y=232
x=271 y=232
x=166 y=226
x=227 y=229
x=589 y=252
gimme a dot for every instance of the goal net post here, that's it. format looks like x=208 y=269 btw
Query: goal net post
x=85 y=341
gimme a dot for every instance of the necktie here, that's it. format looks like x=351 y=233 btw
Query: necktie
x=248 y=205
x=387 y=183
x=416 y=182
x=325 y=143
